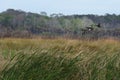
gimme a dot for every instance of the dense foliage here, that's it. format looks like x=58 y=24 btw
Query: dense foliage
x=17 y=23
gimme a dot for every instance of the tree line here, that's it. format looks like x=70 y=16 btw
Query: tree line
x=18 y=23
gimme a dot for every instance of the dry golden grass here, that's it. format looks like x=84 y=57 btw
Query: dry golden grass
x=93 y=55
x=66 y=45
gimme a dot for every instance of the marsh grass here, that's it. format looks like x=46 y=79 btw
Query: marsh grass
x=60 y=59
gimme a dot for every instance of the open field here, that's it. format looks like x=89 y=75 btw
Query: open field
x=59 y=59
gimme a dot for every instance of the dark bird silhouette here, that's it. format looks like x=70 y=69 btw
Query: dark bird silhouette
x=98 y=25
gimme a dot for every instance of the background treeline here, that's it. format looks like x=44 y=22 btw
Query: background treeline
x=17 y=23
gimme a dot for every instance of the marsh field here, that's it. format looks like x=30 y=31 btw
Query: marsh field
x=59 y=59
